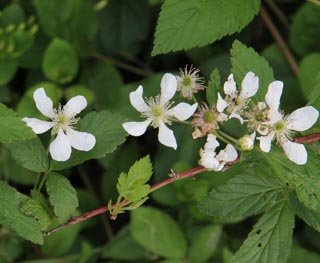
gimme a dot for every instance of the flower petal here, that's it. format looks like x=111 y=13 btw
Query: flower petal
x=168 y=88
x=137 y=100
x=60 y=148
x=136 y=128
x=38 y=126
x=236 y=116
x=265 y=142
x=43 y=103
x=249 y=85
x=75 y=105
x=295 y=152
x=211 y=144
x=302 y=119
x=82 y=141
x=274 y=94
x=228 y=154
x=229 y=87
x=183 y=111
x=166 y=136
x=221 y=103
x=209 y=162
x=274 y=116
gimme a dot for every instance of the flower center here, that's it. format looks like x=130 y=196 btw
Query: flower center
x=208 y=117
x=157 y=111
x=63 y=120
x=280 y=126
x=186 y=81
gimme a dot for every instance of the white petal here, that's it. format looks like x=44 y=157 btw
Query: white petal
x=137 y=100
x=295 y=152
x=183 y=111
x=38 y=126
x=274 y=94
x=211 y=144
x=249 y=85
x=168 y=88
x=265 y=142
x=209 y=162
x=75 y=105
x=60 y=148
x=136 y=128
x=166 y=136
x=236 y=116
x=228 y=154
x=221 y=103
x=274 y=116
x=302 y=119
x=43 y=103
x=82 y=141
x=229 y=86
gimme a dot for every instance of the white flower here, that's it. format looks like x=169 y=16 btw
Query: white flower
x=158 y=113
x=62 y=123
x=282 y=127
x=212 y=161
x=235 y=102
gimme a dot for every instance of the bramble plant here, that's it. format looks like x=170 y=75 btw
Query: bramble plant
x=209 y=154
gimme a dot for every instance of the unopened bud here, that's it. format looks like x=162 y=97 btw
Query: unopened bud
x=246 y=142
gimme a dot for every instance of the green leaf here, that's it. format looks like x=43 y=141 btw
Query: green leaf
x=62 y=196
x=309 y=74
x=158 y=232
x=8 y=68
x=79 y=90
x=242 y=196
x=107 y=128
x=125 y=27
x=72 y=20
x=29 y=154
x=60 y=62
x=33 y=208
x=244 y=59
x=123 y=241
x=299 y=255
x=190 y=23
x=204 y=244
x=11 y=216
x=132 y=186
x=312 y=218
x=271 y=237
x=305 y=29
x=213 y=87
x=12 y=128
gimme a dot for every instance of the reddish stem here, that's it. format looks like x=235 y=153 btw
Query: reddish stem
x=311 y=138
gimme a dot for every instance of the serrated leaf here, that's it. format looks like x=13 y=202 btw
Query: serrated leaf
x=305 y=29
x=158 y=232
x=190 y=23
x=62 y=196
x=107 y=128
x=29 y=154
x=33 y=208
x=132 y=186
x=60 y=62
x=271 y=237
x=12 y=128
x=242 y=196
x=244 y=59
x=11 y=216
x=213 y=87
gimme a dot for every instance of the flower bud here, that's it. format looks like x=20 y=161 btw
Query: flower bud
x=246 y=142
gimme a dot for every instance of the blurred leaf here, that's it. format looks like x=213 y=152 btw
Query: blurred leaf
x=309 y=74
x=79 y=90
x=305 y=29
x=72 y=20
x=271 y=237
x=125 y=27
x=12 y=128
x=204 y=244
x=213 y=87
x=299 y=255
x=132 y=186
x=60 y=62
x=242 y=196
x=12 y=14
x=107 y=128
x=245 y=59
x=158 y=232
x=29 y=154
x=123 y=241
x=191 y=23
x=11 y=217
x=8 y=68
x=62 y=196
